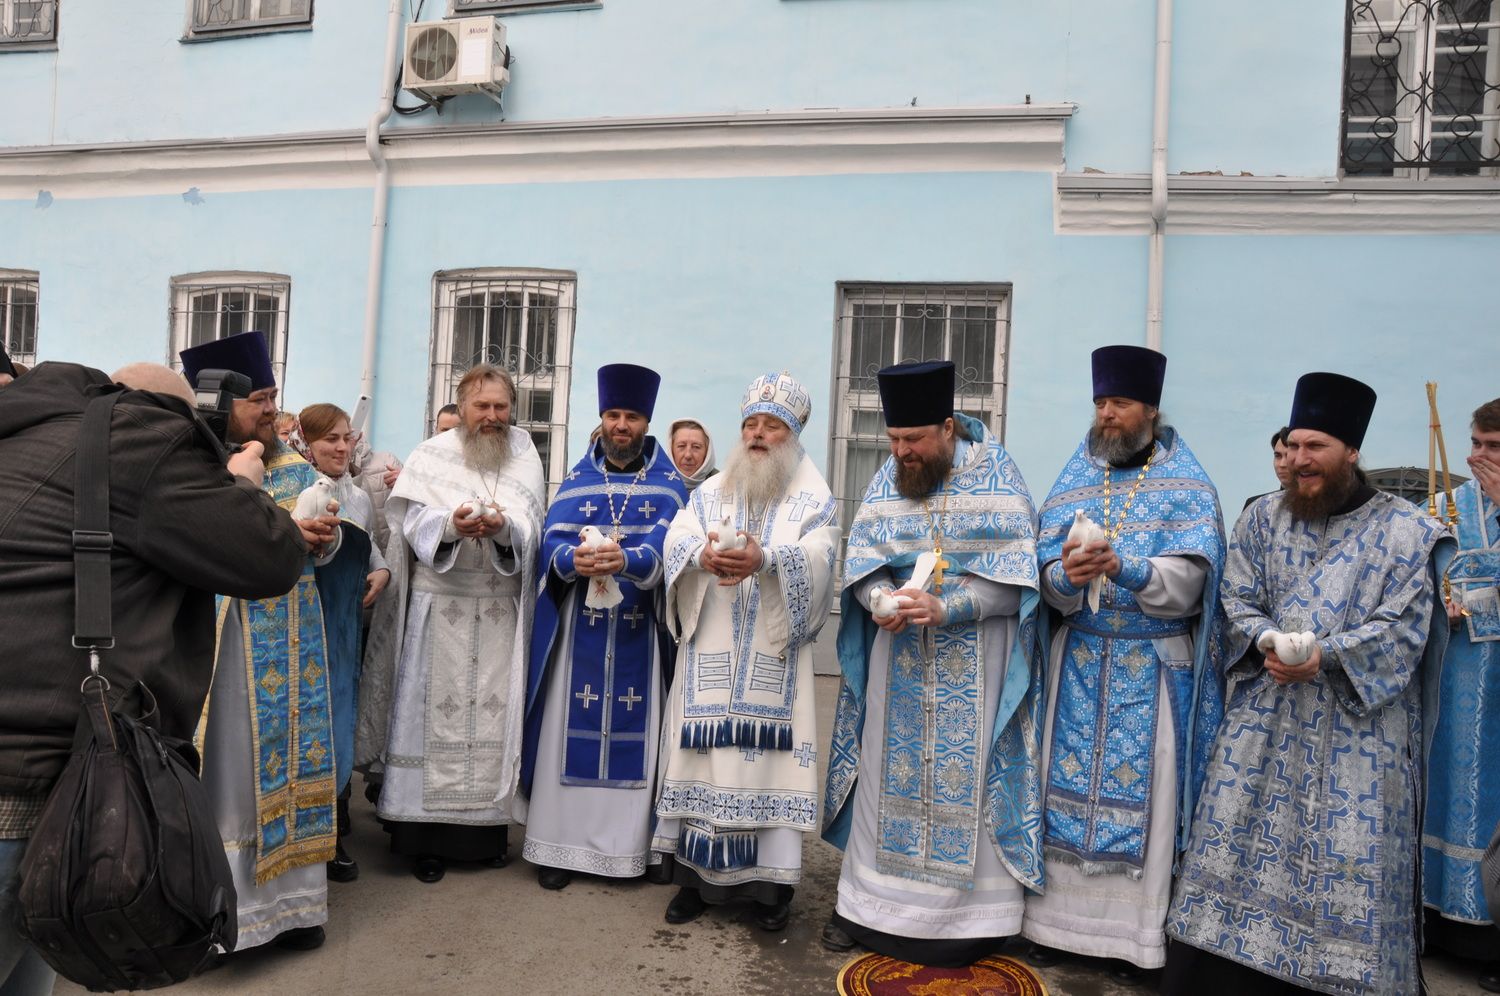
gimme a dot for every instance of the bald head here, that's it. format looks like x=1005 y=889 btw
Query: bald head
x=156 y=378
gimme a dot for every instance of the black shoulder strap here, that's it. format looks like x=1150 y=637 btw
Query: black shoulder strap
x=93 y=626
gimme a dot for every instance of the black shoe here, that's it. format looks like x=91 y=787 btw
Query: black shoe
x=1489 y=979
x=659 y=874
x=301 y=939
x=429 y=869
x=372 y=792
x=1043 y=957
x=686 y=906
x=553 y=878
x=772 y=916
x=835 y=938
x=342 y=868
x=1124 y=973
x=496 y=862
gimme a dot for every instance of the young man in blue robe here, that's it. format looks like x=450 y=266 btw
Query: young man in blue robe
x=594 y=690
x=1463 y=710
x=933 y=776
x=268 y=746
x=1133 y=692
x=1301 y=869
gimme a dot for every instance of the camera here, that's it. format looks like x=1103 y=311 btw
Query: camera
x=215 y=394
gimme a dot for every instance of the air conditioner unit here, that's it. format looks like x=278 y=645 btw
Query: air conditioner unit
x=454 y=56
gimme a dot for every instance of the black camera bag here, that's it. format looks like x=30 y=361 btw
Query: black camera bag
x=124 y=884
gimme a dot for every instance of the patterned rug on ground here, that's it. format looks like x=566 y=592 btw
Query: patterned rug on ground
x=877 y=975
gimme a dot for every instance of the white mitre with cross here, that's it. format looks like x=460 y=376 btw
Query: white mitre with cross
x=778 y=394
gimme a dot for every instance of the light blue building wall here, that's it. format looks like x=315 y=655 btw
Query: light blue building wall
x=712 y=273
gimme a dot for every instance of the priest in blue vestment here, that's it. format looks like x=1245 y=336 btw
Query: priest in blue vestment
x=595 y=684
x=934 y=789
x=1463 y=708
x=268 y=745
x=1133 y=692
x=1300 y=873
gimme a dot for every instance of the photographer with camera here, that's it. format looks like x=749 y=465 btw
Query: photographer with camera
x=271 y=696
x=171 y=499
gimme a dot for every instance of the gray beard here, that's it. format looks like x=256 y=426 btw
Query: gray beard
x=484 y=451
x=1117 y=449
x=758 y=481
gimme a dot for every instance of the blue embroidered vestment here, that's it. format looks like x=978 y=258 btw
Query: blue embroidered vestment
x=1101 y=774
x=979 y=792
x=607 y=662
x=1463 y=708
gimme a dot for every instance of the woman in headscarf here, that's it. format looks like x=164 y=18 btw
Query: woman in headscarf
x=355 y=578
x=692 y=452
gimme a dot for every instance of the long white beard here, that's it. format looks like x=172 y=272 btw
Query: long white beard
x=759 y=480
x=484 y=450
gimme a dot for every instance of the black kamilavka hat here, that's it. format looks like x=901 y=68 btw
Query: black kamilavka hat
x=1332 y=403
x=1133 y=372
x=916 y=394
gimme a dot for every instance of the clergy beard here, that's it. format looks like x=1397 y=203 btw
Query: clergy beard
x=622 y=456
x=1337 y=489
x=917 y=482
x=1115 y=447
x=484 y=450
x=756 y=478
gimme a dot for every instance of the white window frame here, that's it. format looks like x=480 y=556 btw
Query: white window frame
x=460 y=8
x=446 y=370
x=856 y=420
x=1418 y=121
x=254 y=19
x=10 y=25
x=190 y=285
x=12 y=281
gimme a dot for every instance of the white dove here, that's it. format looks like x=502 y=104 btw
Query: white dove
x=1086 y=531
x=729 y=537
x=604 y=590
x=478 y=506
x=1291 y=648
x=884 y=603
x=316 y=499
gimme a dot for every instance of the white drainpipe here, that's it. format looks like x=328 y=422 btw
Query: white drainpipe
x=1160 y=118
x=382 y=200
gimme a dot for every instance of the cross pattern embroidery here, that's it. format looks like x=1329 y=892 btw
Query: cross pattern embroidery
x=630 y=699
x=714 y=508
x=805 y=754
x=634 y=616
x=587 y=696
x=593 y=615
x=801 y=502
x=751 y=753
x=588 y=508
x=648 y=509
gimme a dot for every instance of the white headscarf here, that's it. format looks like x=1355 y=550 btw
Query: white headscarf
x=705 y=471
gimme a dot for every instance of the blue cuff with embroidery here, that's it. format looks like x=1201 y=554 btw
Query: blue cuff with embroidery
x=1135 y=572
x=562 y=563
x=640 y=564
x=959 y=604
x=1059 y=579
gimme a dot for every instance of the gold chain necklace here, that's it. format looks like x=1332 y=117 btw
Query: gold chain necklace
x=1112 y=535
x=609 y=496
x=936 y=522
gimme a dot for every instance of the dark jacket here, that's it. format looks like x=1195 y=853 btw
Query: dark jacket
x=184 y=529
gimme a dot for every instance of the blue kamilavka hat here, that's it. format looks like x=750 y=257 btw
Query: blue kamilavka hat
x=916 y=394
x=245 y=353
x=1133 y=372
x=629 y=387
x=1332 y=403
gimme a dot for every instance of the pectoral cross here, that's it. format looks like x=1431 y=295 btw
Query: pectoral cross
x=939 y=564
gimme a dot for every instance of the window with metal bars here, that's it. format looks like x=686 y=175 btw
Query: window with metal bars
x=211 y=16
x=521 y=320
x=1421 y=88
x=459 y=7
x=27 y=23
x=209 y=306
x=880 y=325
x=18 y=299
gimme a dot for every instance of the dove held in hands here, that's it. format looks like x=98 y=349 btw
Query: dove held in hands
x=1086 y=531
x=729 y=538
x=315 y=499
x=1290 y=648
